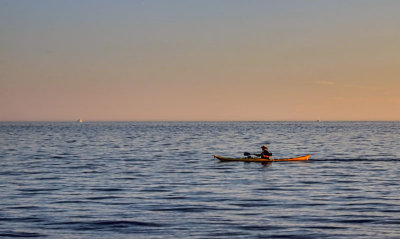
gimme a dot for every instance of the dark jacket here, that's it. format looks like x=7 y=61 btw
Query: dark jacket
x=265 y=154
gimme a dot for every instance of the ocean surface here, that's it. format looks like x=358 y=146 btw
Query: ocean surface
x=160 y=180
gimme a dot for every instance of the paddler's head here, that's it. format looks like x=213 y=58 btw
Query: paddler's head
x=264 y=147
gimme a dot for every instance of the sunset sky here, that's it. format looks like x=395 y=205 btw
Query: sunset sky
x=199 y=60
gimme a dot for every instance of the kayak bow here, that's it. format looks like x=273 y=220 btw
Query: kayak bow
x=224 y=159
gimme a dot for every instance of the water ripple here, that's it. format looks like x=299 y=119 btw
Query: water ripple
x=160 y=180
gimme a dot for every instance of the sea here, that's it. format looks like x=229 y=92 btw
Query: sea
x=160 y=180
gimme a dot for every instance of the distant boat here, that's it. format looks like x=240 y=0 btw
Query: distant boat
x=79 y=121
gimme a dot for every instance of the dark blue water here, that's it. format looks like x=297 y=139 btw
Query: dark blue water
x=160 y=180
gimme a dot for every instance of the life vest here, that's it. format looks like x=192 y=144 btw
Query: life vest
x=266 y=154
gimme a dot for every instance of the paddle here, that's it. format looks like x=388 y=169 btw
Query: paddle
x=248 y=154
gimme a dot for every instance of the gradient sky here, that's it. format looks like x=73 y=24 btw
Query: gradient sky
x=199 y=60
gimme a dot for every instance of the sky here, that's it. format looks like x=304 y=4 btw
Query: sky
x=199 y=60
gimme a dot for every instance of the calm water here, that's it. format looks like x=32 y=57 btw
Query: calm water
x=159 y=180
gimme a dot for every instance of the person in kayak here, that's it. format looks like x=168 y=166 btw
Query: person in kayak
x=265 y=154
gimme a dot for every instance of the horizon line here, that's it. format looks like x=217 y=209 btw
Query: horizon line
x=122 y=121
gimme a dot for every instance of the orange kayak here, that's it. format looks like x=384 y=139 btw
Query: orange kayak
x=250 y=159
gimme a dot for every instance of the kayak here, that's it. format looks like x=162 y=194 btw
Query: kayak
x=250 y=159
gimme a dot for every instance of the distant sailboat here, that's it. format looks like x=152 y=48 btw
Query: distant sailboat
x=79 y=121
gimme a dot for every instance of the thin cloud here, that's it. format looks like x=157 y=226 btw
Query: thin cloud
x=368 y=88
x=324 y=82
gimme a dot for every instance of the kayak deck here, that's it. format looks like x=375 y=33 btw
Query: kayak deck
x=224 y=159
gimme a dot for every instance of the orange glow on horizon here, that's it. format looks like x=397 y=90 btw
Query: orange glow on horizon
x=152 y=61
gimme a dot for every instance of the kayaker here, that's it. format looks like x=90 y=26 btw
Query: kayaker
x=265 y=154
